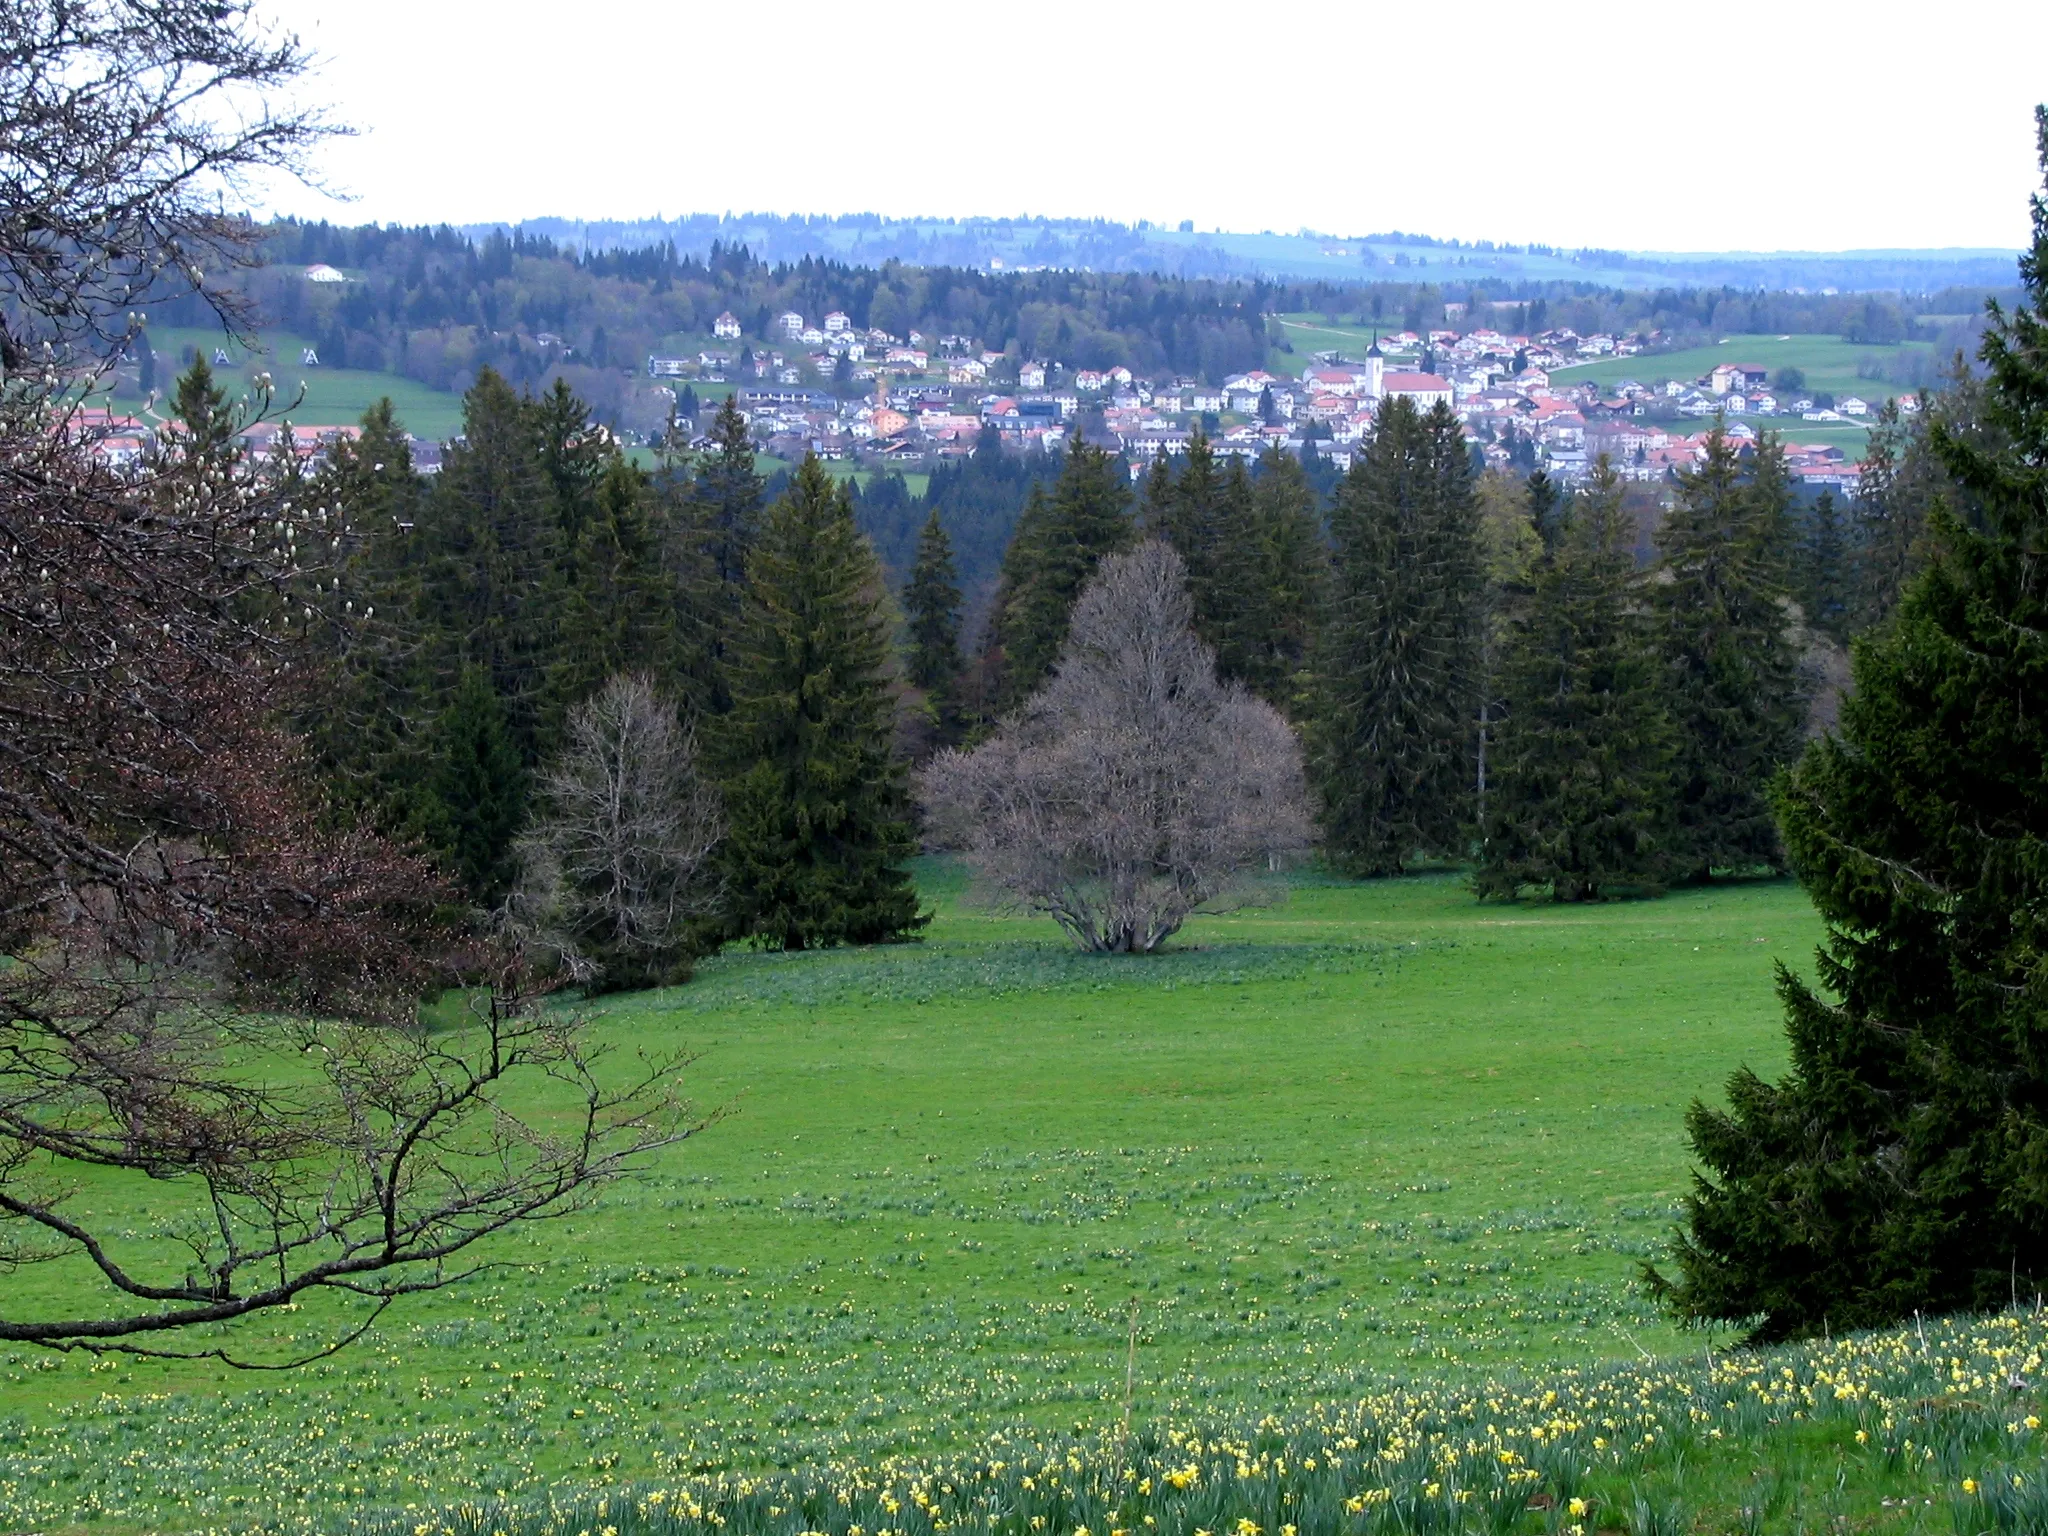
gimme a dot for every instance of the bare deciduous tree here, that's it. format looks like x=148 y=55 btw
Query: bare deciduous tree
x=127 y=130
x=209 y=991
x=615 y=866
x=1133 y=789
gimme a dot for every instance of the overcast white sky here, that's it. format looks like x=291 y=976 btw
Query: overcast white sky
x=1663 y=126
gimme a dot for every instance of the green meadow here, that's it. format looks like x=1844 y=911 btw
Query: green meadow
x=984 y=1183
x=1828 y=362
x=311 y=396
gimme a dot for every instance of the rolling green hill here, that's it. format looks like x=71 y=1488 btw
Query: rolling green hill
x=1381 y=1129
x=310 y=395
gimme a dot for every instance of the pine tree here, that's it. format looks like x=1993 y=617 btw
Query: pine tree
x=818 y=812
x=1206 y=513
x=728 y=496
x=1545 y=505
x=372 y=718
x=931 y=603
x=478 y=790
x=492 y=578
x=1395 y=687
x=1898 y=1166
x=714 y=536
x=619 y=616
x=200 y=407
x=1059 y=542
x=1894 y=496
x=1292 y=572
x=1733 y=678
x=1580 y=793
x=574 y=456
x=1823 y=573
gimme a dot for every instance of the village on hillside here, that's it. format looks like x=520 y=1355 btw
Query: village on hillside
x=825 y=385
x=932 y=397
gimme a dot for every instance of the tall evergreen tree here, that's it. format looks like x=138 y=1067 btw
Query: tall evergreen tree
x=145 y=365
x=493 y=580
x=1823 y=570
x=477 y=790
x=574 y=456
x=931 y=602
x=619 y=613
x=200 y=407
x=1901 y=1164
x=1580 y=797
x=818 y=812
x=1895 y=495
x=1293 y=567
x=1396 y=671
x=1059 y=541
x=1732 y=676
x=713 y=540
x=1206 y=512
x=728 y=496
x=372 y=721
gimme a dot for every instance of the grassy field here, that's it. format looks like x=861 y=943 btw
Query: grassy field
x=1828 y=362
x=1381 y=1130
x=333 y=396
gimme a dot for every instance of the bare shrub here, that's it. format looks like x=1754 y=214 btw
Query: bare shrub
x=1134 y=789
x=208 y=989
x=615 y=867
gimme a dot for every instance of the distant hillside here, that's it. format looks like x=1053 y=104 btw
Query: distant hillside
x=1102 y=246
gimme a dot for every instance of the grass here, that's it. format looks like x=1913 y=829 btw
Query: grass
x=1379 y=1131
x=333 y=396
x=1354 y=1189
x=1828 y=362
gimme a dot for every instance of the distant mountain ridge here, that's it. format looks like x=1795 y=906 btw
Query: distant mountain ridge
x=1106 y=246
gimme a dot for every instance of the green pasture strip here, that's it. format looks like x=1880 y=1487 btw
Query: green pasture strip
x=332 y=397
x=1379 y=1131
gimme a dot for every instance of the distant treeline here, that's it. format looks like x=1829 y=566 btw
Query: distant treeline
x=1106 y=245
x=437 y=306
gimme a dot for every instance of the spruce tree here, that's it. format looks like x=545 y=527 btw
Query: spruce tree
x=1895 y=494
x=1735 y=692
x=931 y=602
x=370 y=721
x=714 y=535
x=818 y=814
x=573 y=454
x=1898 y=1166
x=1580 y=795
x=1206 y=513
x=1823 y=570
x=1058 y=543
x=1396 y=671
x=728 y=497
x=619 y=616
x=200 y=407
x=477 y=790
x=1292 y=572
x=492 y=560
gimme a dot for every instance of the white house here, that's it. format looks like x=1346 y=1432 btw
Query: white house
x=726 y=327
x=1031 y=376
x=320 y=272
x=790 y=323
x=836 y=321
x=1425 y=389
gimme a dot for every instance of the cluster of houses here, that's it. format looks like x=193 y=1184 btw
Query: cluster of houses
x=1500 y=387
x=122 y=441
